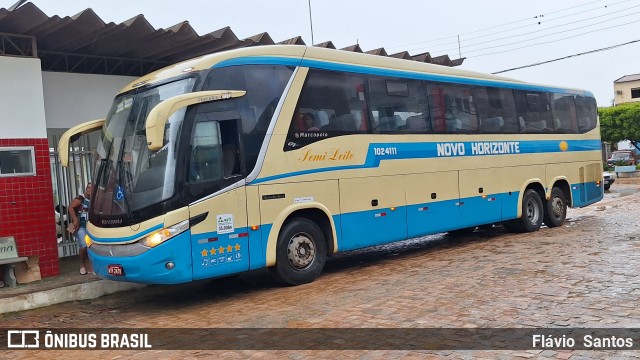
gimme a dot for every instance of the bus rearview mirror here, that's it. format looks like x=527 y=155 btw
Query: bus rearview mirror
x=73 y=134
x=160 y=114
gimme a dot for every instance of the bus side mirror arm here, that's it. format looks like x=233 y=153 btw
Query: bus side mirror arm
x=160 y=114
x=72 y=135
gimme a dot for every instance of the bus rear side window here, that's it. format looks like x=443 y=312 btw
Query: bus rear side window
x=586 y=113
x=564 y=114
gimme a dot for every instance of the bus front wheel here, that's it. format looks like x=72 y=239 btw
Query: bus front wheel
x=301 y=252
x=555 y=211
x=532 y=214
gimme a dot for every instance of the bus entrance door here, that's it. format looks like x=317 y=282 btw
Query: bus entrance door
x=219 y=236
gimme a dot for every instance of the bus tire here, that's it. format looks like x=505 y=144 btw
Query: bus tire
x=301 y=252
x=555 y=211
x=532 y=214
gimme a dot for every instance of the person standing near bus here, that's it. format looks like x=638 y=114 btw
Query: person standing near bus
x=79 y=211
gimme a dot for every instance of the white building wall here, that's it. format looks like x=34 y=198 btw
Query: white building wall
x=623 y=91
x=71 y=99
x=22 y=114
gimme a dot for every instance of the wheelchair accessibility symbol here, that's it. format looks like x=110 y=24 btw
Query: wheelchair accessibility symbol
x=119 y=193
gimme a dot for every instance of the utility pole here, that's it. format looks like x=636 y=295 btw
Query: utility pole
x=311 y=23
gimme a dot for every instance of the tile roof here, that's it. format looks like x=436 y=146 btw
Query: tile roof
x=85 y=43
x=627 y=78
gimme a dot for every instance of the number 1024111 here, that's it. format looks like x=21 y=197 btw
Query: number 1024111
x=382 y=151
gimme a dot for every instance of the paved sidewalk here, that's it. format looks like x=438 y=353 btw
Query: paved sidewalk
x=70 y=285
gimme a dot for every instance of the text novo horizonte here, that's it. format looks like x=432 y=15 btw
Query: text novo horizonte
x=479 y=148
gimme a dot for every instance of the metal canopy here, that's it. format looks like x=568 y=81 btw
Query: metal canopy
x=84 y=43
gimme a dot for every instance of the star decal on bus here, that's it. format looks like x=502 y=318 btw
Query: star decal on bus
x=212 y=251
x=204 y=252
x=237 y=247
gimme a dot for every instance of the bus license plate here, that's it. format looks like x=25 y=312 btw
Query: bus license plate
x=115 y=270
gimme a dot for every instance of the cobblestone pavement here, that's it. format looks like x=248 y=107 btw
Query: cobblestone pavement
x=583 y=274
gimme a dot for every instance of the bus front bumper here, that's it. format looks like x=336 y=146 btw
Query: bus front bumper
x=167 y=263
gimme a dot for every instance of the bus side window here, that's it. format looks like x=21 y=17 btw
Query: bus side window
x=586 y=112
x=230 y=148
x=564 y=114
x=334 y=102
x=400 y=104
x=206 y=152
x=496 y=110
x=453 y=108
x=535 y=109
x=264 y=85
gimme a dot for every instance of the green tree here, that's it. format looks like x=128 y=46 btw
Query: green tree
x=620 y=123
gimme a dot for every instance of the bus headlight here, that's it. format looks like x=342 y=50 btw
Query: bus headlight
x=158 y=237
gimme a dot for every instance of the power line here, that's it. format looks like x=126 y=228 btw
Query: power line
x=545 y=22
x=546 y=35
x=505 y=24
x=543 y=15
x=567 y=57
x=556 y=18
x=542 y=30
x=552 y=41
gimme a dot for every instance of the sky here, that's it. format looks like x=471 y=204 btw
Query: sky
x=490 y=31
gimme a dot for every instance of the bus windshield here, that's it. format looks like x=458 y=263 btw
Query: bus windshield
x=129 y=176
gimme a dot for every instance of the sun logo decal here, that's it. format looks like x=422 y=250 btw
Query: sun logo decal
x=564 y=146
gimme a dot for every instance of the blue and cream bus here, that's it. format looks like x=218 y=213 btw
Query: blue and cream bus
x=279 y=156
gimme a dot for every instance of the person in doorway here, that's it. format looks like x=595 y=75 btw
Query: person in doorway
x=79 y=211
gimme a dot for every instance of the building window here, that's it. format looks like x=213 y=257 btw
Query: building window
x=635 y=93
x=17 y=161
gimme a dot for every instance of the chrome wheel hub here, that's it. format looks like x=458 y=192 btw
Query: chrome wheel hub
x=301 y=251
x=557 y=207
x=533 y=213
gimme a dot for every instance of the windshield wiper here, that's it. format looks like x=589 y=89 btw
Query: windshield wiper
x=120 y=172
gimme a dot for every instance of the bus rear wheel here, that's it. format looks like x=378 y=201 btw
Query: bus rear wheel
x=532 y=214
x=556 y=208
x=301 y=252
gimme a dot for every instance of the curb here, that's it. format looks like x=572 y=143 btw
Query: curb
x=83 y=291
